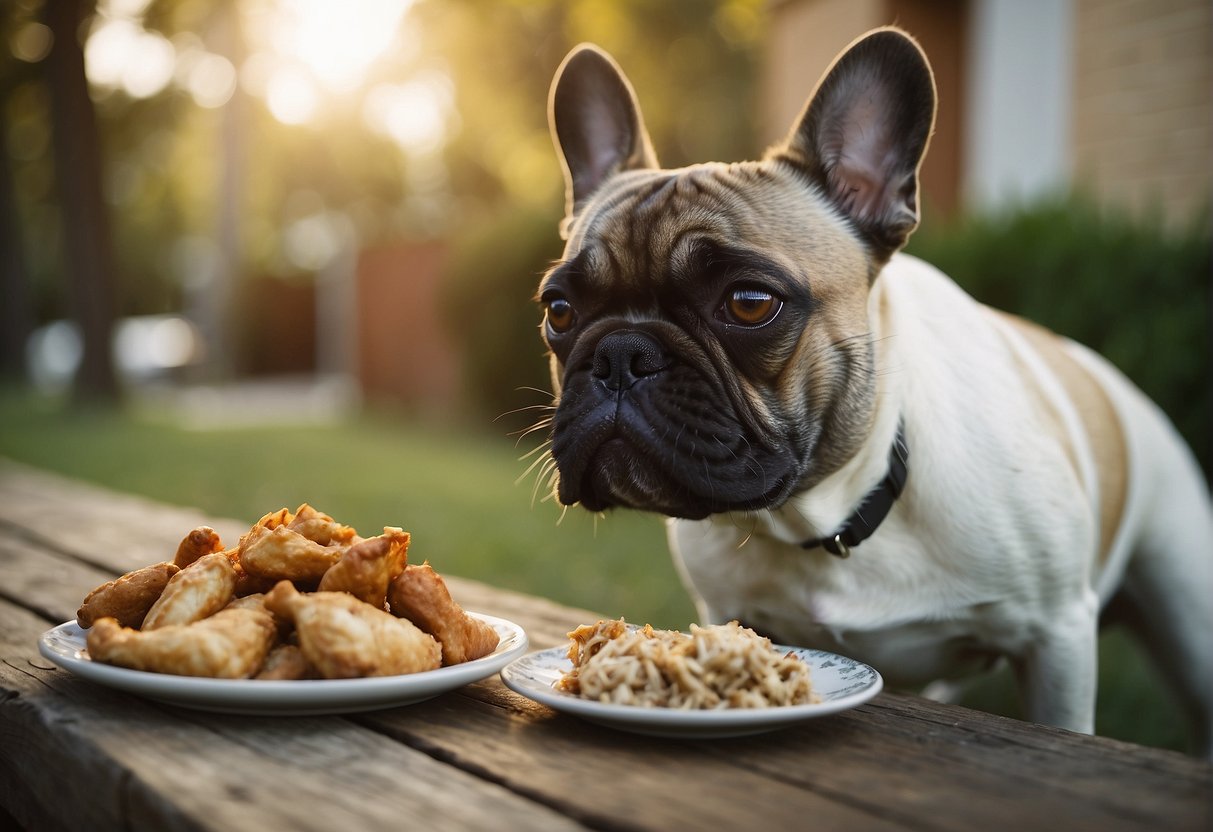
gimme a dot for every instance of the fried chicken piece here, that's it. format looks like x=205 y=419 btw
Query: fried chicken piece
x=231 y=644
x=268 y=521
x=201 y=589
x=369 y=566
x=286 y=661
x=282 y=553
x=247 y=584
x=319 y=527
x=274 y=519
x=126 y=599
x=346 y=638
x=256 y=601
x=201 y=541
x=420 y=595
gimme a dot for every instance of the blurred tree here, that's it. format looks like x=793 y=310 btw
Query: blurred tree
x=86 y=223
x=16 y=313
x=215 y=308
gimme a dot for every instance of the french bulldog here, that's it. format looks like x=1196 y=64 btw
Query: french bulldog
x=853 y=453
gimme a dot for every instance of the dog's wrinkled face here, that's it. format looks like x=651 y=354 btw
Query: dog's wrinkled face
x=708 y=326
x=700 y=363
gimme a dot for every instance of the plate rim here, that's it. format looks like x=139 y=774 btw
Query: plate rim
x=64 y=646
x=682 y=722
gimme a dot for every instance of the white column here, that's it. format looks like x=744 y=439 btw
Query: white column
x=1019 y=89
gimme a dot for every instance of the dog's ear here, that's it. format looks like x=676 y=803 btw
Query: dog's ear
x=596 y=124
x=864 y=132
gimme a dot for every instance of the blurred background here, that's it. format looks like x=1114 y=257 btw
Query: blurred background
x=257 y=252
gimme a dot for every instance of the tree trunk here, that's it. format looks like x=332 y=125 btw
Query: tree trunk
x=16 y=313
x=89 y=256
x=223 y=333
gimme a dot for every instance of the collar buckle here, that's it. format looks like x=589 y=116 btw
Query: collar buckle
x=874 y=507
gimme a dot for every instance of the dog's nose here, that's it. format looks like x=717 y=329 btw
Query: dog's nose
x=623 y=358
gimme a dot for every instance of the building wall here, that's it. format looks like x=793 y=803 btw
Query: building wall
x=1143 y=103
x=1114 y=96
x=806 y=36
x=404 y=353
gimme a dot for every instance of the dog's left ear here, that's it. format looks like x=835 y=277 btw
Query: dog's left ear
x=596 y=124
x=864 y=132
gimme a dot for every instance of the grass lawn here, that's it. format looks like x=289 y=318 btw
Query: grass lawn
x=458 y=493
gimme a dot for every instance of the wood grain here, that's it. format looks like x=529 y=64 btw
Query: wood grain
x=74 y=755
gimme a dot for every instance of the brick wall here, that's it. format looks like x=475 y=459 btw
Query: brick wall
x=1142 y=108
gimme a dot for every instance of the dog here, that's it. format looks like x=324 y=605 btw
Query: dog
x=853 y=454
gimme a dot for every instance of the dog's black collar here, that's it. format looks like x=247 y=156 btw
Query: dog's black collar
x=875 y=506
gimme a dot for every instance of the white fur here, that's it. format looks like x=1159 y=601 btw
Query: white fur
x=991 y=549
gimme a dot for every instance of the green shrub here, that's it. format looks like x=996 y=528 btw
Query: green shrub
x=488 y=303
x=1132 y=290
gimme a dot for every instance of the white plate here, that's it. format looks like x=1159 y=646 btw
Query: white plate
x=839 y=682
x=65 y=646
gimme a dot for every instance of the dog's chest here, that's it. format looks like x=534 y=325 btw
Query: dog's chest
x=913 y=622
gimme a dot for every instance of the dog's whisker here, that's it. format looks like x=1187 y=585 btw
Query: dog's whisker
x=749 y=534
x=539 y=462
x=546 y=472
x=538 y=450
x=535 y=428
x=542 y=467
x=526 y=388
x=525 y=408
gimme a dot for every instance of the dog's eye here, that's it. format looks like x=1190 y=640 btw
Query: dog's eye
x=559 y=314
x=750 y=306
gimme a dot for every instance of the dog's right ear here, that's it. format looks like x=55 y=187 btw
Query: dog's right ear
x=596 y=124
x=864 y=132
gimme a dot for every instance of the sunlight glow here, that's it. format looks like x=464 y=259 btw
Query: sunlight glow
x=208 y=77
x=308 y=60
x=122 y=54
x=291 y=96
x=337 y=42
x=31 y=43
x=415 y=114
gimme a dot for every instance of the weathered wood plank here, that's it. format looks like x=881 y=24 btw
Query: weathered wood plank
x=882 y=760
x=115 y=531
x=604 y=777
x=986 y=769
x=41 y=580
x=79 y=756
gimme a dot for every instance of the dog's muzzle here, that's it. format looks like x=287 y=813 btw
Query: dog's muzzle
x=642 y=425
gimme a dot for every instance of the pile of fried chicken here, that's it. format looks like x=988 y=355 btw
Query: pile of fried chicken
x=301 y=596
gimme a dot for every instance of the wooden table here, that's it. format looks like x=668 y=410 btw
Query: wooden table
x=77 y=756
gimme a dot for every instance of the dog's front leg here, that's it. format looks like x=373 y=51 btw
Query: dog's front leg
x=1057 y=673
